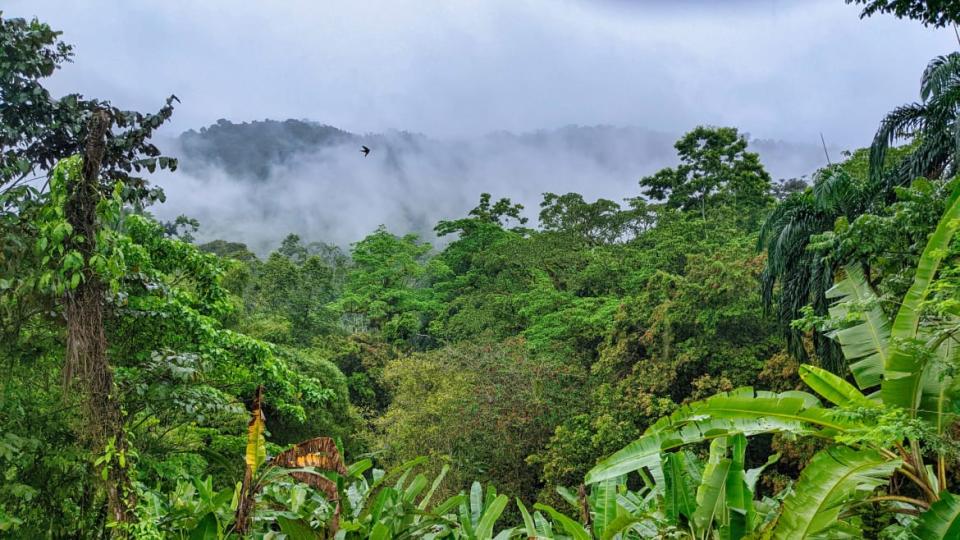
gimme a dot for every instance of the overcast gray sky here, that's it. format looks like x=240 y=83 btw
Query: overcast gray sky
x=774 y=68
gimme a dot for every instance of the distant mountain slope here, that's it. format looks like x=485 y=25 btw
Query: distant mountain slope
x=250 y=150
x=258 y=181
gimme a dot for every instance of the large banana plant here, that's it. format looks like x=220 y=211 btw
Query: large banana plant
x=691 y=500
x=876 y=435
x=314 y=462
x=377 y=510
x=385 y=505
x=610 y=512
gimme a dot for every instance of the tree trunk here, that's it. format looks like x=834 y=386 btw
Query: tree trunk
x=86 y=342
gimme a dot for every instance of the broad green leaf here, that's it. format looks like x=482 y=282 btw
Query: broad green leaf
x=466 y=519
x=544 y=525
x=833 y=388
x=433 y=488
x=865 y=346
x=622 y=524
x=527 y=520
x=603 y=502
x=358 y=468
x=489 y=496
x=296 y=529
x=569 y=496
x=380 y=532
x=399 y=471
x=383 y=501
x=741 y=411
x=942 y=520
x=834 y=477
x=753 y=475
x=711 y=496
x=738 y=493
x=401 y=481
x=449 y=504
x=490 y=516
x=574 y=529
x=206 y=529
x=939 y=390
x=418 y=484
x=476 y=502
x=679 y=493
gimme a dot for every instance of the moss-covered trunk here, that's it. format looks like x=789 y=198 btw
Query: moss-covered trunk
x=87 y=363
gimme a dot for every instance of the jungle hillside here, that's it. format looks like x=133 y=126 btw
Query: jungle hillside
x=753 y=339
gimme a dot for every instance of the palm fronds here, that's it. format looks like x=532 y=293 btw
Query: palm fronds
x=933 y=122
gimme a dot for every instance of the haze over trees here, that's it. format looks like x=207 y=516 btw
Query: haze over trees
x=268 y=178
x=719 y=355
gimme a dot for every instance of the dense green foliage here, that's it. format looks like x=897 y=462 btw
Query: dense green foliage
x=718 y=357
x=247 y=150
x=936 y=13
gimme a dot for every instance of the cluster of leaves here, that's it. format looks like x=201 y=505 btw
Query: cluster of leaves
x=181 y=375
x=931 y=13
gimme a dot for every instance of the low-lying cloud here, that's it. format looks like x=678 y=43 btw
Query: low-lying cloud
x=332 y=193
x=783 y=69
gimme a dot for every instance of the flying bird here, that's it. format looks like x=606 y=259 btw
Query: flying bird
x=364 y=150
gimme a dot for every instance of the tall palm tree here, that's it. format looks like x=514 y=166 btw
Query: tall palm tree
x=805 y=274
x=796 y=275
x=931 y=124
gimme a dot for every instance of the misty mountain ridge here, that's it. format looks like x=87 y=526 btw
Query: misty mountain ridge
x=261 y=180
x=250 y=150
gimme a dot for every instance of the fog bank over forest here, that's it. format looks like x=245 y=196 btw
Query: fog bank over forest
x=259 y=181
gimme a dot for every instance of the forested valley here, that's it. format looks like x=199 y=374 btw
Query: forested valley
x=721 y=355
